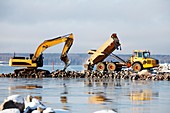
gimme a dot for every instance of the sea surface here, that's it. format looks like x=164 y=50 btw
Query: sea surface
x=79 y=95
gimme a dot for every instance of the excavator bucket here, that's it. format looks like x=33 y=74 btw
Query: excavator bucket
x=66 y=61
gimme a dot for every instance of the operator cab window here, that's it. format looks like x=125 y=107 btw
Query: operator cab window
x=146 y=54
x=135 y=54
x=139 y=54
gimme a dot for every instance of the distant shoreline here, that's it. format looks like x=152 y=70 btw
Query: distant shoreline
x=76 y=58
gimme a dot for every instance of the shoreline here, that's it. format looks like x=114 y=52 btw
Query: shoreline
x=124 y=74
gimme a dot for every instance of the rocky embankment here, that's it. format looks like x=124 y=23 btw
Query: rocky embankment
x=124 y=74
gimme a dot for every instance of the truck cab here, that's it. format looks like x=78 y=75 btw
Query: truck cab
x=141 y=60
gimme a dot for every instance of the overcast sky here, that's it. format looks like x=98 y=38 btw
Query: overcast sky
x=139 y=24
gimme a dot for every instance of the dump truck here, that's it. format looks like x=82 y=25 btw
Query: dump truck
x=140 y=59
x=36 y=59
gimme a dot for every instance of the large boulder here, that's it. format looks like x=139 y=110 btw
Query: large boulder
x=14 y=101
x=144 y=72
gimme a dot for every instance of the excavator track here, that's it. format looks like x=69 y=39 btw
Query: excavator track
x=31 y=72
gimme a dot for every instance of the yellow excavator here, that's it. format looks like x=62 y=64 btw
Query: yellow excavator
x=36 y=59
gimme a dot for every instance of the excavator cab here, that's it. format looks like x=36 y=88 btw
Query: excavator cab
x=39 y=61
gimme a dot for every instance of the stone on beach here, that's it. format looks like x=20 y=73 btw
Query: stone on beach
x=32 y=104
x=16 y=104
x=14 y=101
x=105 y=111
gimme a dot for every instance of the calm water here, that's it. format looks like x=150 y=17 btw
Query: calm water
x=122 y=96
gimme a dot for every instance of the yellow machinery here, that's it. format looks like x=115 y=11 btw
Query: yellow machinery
x=140 y=60
x=36 y=59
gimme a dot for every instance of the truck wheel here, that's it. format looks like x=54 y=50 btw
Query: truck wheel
x=111 y=66
x=100 y=66
x=137 y=67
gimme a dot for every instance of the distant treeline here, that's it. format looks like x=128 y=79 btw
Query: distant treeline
x=75 y=58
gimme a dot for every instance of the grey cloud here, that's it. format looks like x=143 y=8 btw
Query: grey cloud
x=139 y=23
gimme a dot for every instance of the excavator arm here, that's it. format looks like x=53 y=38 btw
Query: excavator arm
x=68 y=39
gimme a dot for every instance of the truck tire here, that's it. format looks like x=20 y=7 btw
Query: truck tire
x=111 y=66
x=100 y=66
x=137 y=67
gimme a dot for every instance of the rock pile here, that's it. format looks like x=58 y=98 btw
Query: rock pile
x=124 y=74
x=67 y=74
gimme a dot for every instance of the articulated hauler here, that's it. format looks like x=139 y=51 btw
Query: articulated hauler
x=139 y=60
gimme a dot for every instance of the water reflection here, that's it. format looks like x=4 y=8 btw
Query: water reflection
x=141 y=95
x=28 y=86
x=98 y=82
x=63 y=100
x=63 y=97
x=142 y=98
x=65 y=89
x=97 y=99
x=90 y=95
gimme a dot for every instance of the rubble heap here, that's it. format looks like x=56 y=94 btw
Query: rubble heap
x=124 y=74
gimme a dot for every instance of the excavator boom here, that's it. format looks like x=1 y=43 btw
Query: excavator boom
x=68 y=39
